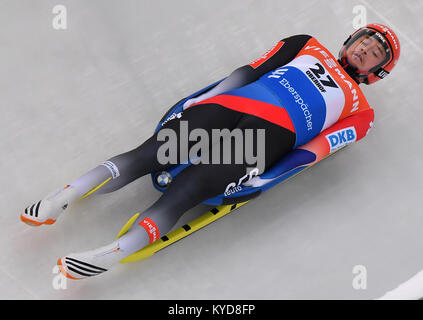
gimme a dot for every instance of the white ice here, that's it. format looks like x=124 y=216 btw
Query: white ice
x=70 y=99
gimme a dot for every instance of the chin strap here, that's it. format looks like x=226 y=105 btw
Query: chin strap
x=352 y=72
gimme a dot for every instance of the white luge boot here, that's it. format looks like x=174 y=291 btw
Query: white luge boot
x=78 y=266
x=47 y=211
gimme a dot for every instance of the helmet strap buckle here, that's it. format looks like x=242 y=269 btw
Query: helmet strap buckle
x=381 y=73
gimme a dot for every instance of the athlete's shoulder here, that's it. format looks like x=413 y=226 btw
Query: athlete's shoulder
x=311 y=41
x=298 y=39
x=280 y=54
x=308 y=44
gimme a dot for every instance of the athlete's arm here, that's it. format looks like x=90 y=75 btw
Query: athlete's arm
x=342 y=133
x=282 y=53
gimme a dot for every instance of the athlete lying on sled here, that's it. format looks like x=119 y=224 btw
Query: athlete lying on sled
x=307 y=102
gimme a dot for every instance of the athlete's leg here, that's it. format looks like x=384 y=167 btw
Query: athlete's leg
x=122 y=169
x=200 y=182
x=143 y=159
x=191 y=187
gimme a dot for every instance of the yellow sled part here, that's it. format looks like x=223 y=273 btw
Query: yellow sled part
x=95 y=189
x=128 y=225
x=187 y=229
x=179 y=233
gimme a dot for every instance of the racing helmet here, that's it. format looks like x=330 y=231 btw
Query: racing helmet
x=390 y=43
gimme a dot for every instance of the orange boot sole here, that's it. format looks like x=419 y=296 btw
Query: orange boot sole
x=63 y=271
x=36 y=223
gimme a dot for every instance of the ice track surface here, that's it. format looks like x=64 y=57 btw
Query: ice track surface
x=71 y=99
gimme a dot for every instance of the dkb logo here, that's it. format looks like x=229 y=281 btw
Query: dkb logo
x=341 y=138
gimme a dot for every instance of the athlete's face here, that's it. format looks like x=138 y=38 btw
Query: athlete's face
x=365 y=53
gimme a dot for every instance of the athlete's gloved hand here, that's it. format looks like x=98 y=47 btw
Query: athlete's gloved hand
x=190 y=102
